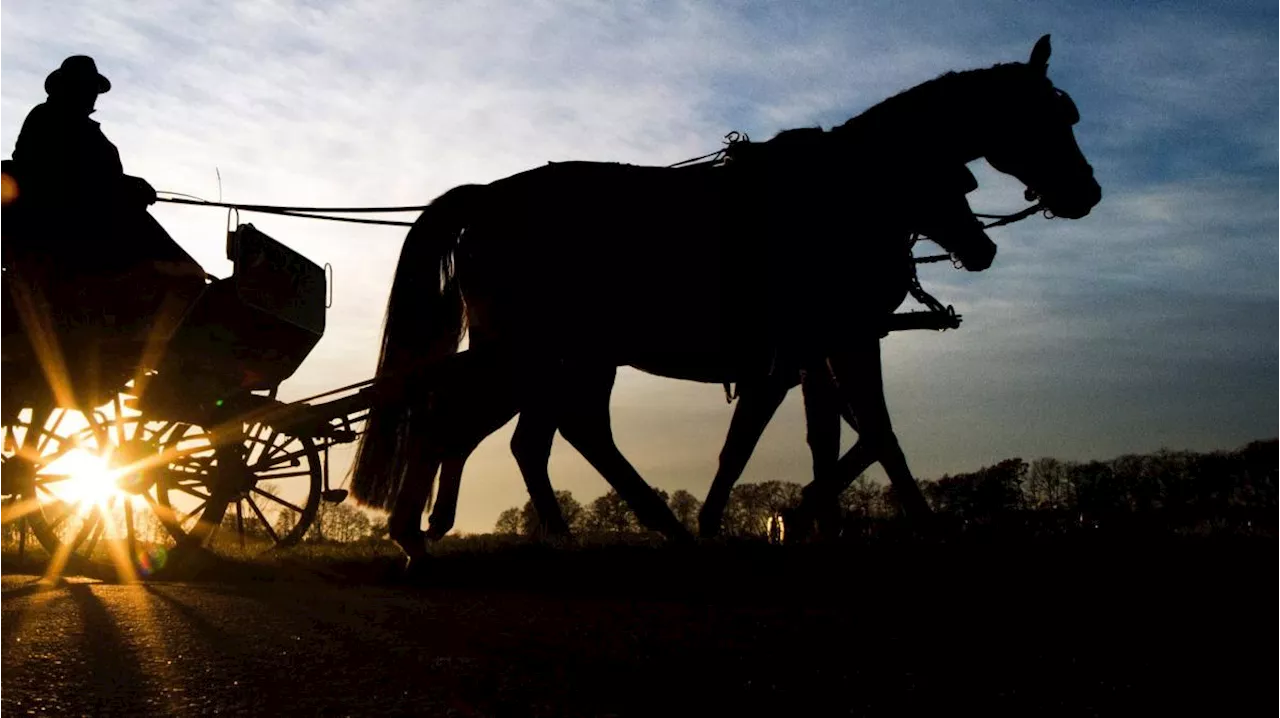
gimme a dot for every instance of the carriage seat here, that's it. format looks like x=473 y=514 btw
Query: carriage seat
x=252 y=330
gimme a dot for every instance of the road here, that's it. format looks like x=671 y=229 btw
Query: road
x=1076 y=640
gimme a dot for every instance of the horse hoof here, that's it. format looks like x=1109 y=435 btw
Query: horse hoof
x=416 y=569
x=413 y=543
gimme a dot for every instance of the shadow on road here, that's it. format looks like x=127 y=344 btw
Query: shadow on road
x=118 y=686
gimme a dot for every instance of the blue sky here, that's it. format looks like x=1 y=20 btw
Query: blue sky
x=1151 y=323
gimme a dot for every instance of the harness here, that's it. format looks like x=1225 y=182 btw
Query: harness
x=935 y=316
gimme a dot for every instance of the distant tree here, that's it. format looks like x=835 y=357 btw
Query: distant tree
x=864 y=498
x=343 y=523
x=752 y=506
x=508 y=522
x=608 y=513
x=980 y=494
x=570 y=509
x=1097 y=492
x=1047 y=485
x=286 y=519
x=1222 y=487
x=245 y=522
x=1000 y=486
x=9 y=521
x=686 y=507
x=1257 y=487
x=148 y=529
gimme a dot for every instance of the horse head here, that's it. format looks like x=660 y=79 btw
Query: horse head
x=1030 y=137
x=944 y=216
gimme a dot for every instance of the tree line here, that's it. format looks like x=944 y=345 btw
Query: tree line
x=1177 y=489
x=1172 y=489
x=333 y=523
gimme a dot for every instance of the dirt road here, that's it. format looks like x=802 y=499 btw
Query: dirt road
x=1081 y=639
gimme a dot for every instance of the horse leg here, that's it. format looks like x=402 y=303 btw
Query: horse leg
x=531 y=447
x=822 y=410
x=470 y=404
x=490 y=412
x=858 y=378
x=757 y=403
x=585 y=423
x=405 y=523
x=444 y=510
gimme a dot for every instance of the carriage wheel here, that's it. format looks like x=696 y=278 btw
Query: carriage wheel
x=257 y=491
x=79 y=483
x=111 y=494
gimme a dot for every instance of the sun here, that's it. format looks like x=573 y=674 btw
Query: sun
x=90 y=480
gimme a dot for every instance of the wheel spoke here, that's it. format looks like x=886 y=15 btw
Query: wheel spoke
x=157 y=435
x=130 y=536
x=89 y=526
x=263 y=476
x=194 y=512
x=67 y=510
x=166 y=514
x=50 y=433
x=188 y=490
x=277 y=499
x=262 y=517
x=277 y=458
x=271 y=450
x=213 y=532
x=98 y=531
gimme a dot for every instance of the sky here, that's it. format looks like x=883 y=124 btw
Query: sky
x=1151 y=323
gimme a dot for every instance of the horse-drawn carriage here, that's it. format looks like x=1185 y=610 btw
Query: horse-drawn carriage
x=181 y=419
x=126 y=435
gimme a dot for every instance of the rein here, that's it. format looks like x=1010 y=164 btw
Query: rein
x=935 y=316
x=941 y=317
x=303 y=212
x=1000 y=221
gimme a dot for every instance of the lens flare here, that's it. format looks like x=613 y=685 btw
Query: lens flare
x=90 y=480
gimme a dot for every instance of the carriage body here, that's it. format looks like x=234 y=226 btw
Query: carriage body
x=246 y=333
x=178 y=400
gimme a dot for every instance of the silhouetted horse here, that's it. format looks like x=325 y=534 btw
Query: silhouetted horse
x=471 y=395
x=573 y=269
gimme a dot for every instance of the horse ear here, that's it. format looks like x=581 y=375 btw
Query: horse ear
x=1040 y=54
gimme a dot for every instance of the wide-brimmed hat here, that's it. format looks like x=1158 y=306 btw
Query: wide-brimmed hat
x=76 y=70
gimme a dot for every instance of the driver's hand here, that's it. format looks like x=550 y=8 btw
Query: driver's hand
x=143 y=190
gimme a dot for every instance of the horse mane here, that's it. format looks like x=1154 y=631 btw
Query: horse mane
x=894 y=115
x=988 y=83
x=910 y=114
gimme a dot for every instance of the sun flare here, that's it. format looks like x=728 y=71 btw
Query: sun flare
x=90 y=481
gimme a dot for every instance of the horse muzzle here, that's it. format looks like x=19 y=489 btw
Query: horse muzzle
x=977 y=259
x=1072 y=201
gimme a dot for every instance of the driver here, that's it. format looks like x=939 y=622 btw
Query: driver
x=74 y=191
x=86 y=221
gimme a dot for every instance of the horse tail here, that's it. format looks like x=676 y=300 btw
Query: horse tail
x=424 y=323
